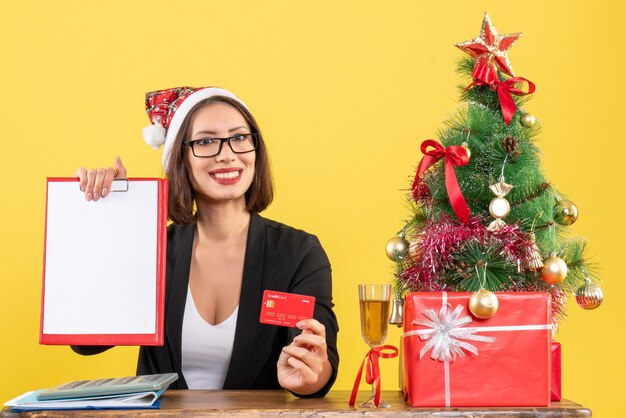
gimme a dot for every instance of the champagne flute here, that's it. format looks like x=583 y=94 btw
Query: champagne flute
x=374 y=306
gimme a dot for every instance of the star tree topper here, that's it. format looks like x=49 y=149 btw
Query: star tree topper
x=490 y=48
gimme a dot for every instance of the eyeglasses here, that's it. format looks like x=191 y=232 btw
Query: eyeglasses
x=210 y=147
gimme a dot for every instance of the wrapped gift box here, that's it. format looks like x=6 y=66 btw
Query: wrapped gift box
x=555 y=384
x=500 y=361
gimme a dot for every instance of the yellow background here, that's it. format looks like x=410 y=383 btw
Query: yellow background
x=344 y=91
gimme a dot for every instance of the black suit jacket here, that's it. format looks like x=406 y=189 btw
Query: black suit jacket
x=277 y=257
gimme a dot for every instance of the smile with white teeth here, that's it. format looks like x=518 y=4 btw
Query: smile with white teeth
x=227 y=175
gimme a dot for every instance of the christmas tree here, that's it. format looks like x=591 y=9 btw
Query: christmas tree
x=484 y=217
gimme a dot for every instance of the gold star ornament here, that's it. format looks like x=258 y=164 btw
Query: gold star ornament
x=490 y=48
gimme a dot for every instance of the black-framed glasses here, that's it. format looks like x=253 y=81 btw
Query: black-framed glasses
x=210 y=147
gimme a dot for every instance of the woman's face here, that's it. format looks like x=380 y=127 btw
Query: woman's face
x=226 y=176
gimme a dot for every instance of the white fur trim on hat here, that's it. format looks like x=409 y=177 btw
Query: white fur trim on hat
x=184 y=108
x=154 y=135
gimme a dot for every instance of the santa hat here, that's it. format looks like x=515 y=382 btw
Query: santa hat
x=167 y=110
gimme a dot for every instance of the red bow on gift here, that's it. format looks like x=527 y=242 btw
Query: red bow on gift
x=452 y=155
x=372 y=373
x=485 y=75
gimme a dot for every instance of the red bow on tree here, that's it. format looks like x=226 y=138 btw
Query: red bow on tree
x=452 y=155
x=485 y=75
x=372 y=373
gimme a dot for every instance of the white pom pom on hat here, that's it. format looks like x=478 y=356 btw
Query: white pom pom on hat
x=154 y=135
x=167 y=110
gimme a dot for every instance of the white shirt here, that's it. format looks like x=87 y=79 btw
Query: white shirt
x=206 y=348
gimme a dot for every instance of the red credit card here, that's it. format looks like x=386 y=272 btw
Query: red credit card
x=285 y=309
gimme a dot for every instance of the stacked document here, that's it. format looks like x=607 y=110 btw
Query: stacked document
x=132 y=392
x=142 y=400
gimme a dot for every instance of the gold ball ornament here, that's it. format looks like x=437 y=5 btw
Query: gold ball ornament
x=395 y=247
x=566 y=213
x=554 y=270
x=527 y=120
x=416 y=251
x=499 y=207
x=483 y=304
x=589 y=296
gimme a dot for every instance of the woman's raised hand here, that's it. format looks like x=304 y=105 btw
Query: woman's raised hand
x=303 y=365
x=96 y=182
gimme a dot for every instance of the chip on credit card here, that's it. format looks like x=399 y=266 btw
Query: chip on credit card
x=285 y=309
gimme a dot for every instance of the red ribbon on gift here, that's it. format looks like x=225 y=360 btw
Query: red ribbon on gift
x=452 y=155
x=372 y=373
x=485 y=75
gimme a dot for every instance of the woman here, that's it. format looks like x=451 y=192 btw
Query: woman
x=223 y=255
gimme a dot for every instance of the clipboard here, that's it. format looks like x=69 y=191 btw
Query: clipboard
x=104 y=264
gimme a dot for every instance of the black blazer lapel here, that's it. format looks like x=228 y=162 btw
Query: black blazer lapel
x=245 y=363
x=175 y=305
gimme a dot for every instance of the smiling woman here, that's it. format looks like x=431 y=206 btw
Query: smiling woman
x=197 y=146
x=222 y=255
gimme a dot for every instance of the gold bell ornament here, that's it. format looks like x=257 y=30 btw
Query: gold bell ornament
x=499 y=206
x=397 y=312
x=534 y=257
x=589 y=296
x=395 y=247
x=483 y=304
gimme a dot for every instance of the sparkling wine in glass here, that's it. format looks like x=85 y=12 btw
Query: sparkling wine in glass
x=374 y=306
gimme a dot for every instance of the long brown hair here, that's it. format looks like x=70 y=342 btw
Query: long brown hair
x=181 y=195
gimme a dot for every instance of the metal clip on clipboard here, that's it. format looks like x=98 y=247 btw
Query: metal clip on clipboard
x=118 y=185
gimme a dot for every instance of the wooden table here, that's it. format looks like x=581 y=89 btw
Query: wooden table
x=187 y=403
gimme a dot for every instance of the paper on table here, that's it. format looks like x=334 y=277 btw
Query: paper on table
x=89 y=294
x=28 y=402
